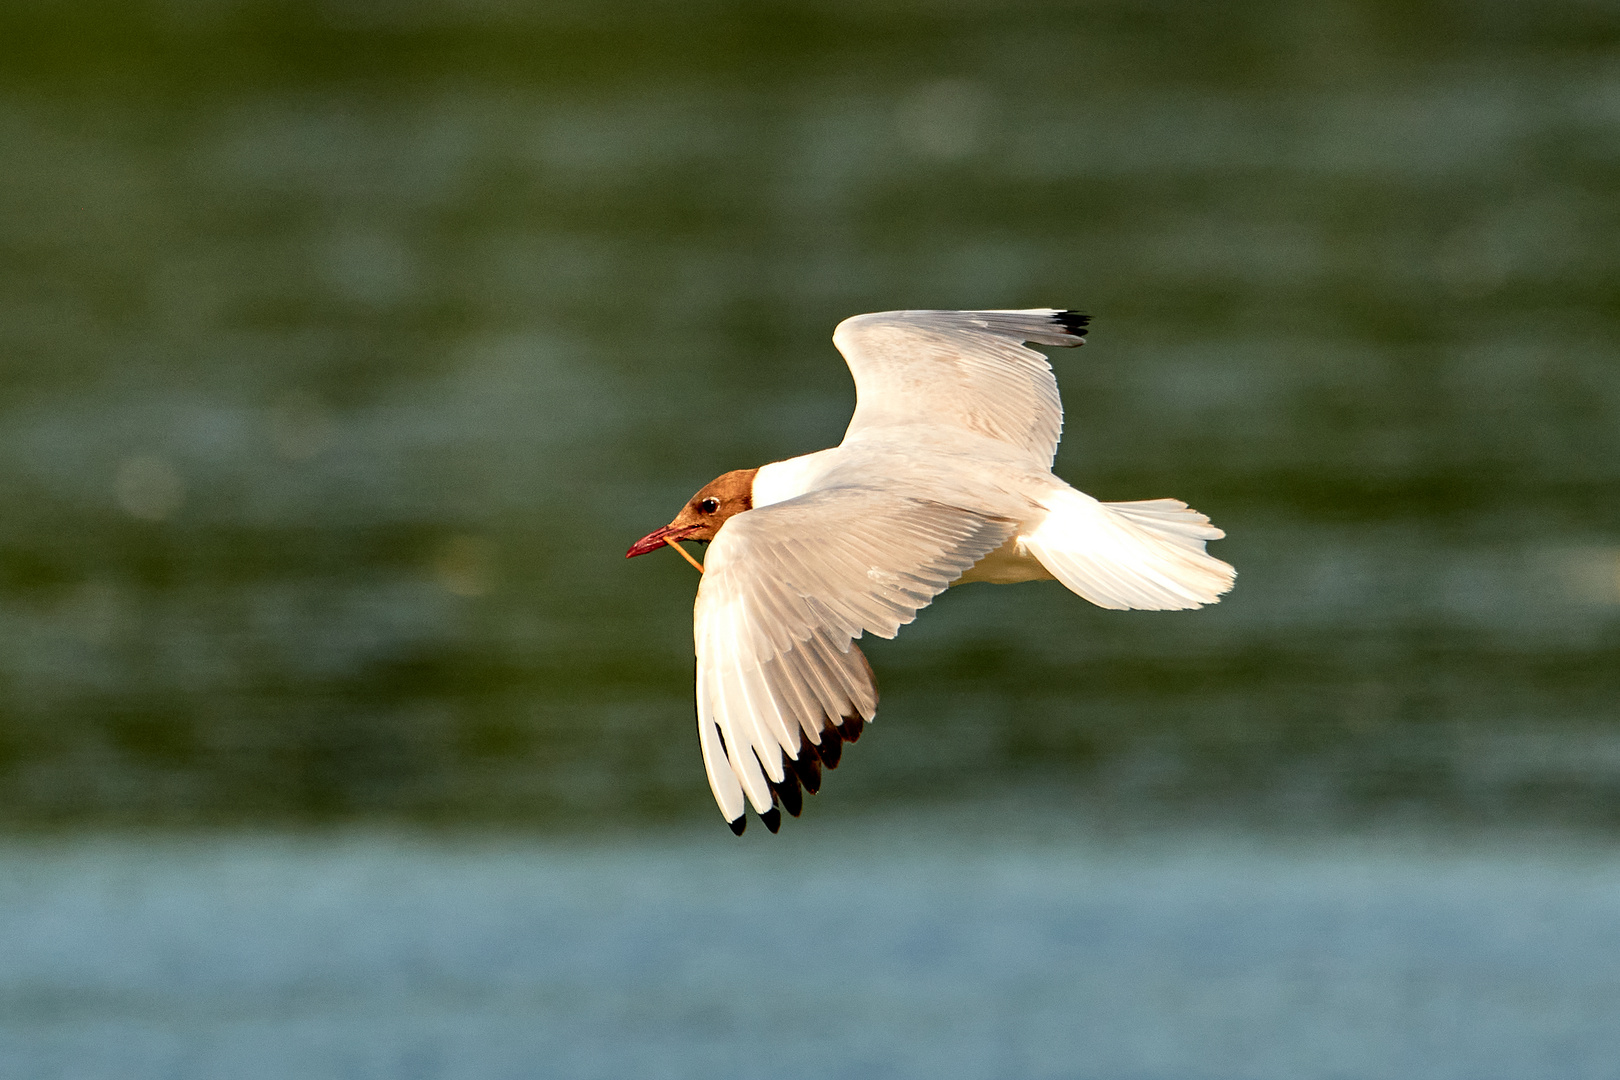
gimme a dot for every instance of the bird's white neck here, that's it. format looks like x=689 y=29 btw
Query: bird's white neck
x=783 y=480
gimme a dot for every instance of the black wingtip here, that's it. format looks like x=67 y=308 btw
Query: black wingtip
x=739 y=825
x=1074 y=322
x=807 y=766
x=772 y=819
x=832 y=746
x=851 y=728
x=787 y=794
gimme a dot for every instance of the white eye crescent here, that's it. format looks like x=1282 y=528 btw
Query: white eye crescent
x=709 y=505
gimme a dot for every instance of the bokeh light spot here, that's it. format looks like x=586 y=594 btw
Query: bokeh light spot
x=149 y=488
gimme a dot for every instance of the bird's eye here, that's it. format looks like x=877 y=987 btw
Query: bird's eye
x=709 y=506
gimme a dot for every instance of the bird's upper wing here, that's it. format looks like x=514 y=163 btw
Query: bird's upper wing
x=964 y=369
x=786 y=589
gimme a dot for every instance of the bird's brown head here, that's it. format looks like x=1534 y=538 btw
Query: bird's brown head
x=704 y=512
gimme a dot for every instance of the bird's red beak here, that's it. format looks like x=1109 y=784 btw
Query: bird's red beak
x=655 y=539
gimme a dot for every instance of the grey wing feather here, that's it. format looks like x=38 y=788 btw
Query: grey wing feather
x=967 y=369
x=786 y=590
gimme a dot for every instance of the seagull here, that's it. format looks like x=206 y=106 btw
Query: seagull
x=944 y=477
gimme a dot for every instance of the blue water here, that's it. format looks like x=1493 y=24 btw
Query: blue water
x=958 y=947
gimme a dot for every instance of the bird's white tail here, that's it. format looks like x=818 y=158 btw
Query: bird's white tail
x=1147 y=555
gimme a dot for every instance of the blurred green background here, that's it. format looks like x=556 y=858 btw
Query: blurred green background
x=345 y=346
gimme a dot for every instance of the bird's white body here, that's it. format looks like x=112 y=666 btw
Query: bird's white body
x=1147 y=555
x=944 y=476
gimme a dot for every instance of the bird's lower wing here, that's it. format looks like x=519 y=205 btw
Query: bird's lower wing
x=786 y=590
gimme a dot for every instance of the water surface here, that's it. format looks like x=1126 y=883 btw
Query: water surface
x=964 y=947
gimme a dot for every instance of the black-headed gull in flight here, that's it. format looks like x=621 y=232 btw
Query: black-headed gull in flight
x=944 y=476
